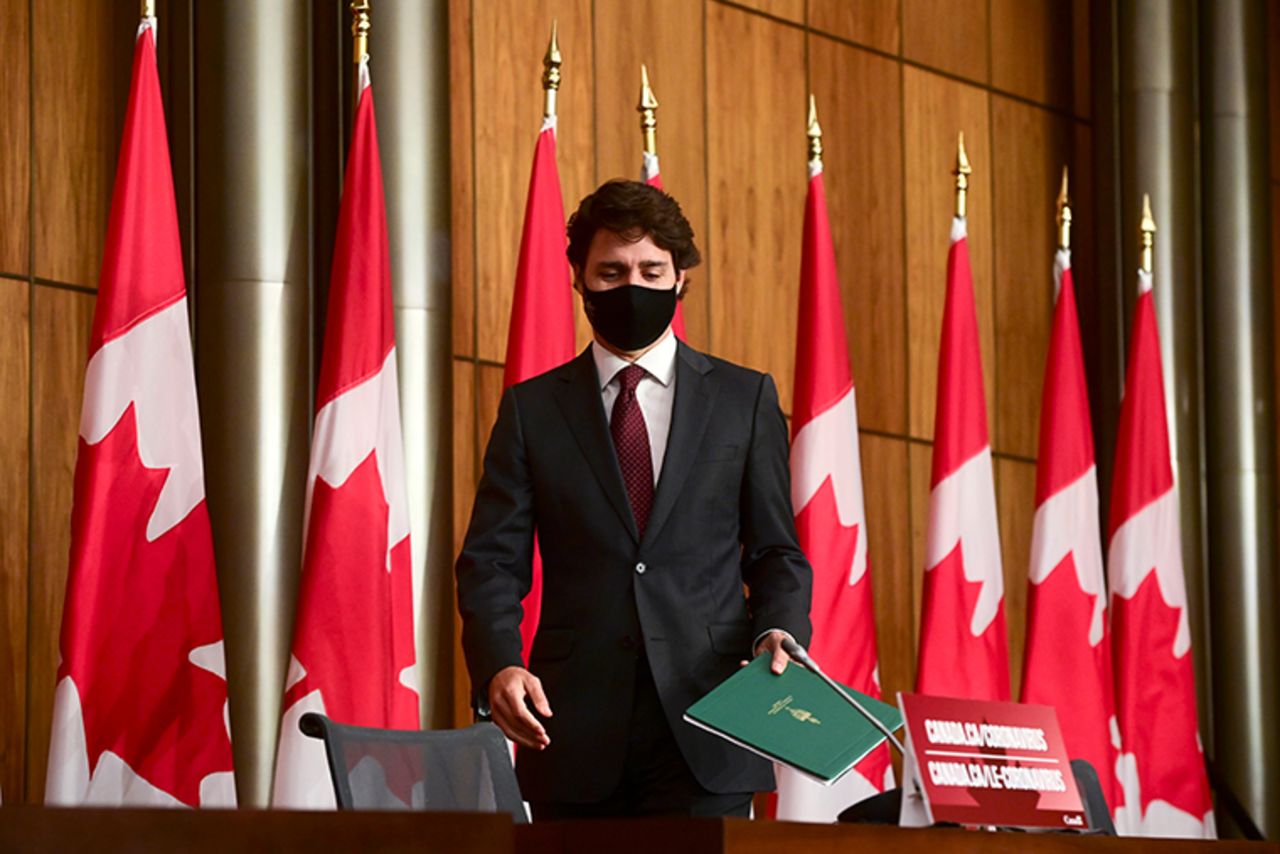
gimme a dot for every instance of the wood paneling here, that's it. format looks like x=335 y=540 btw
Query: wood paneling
x=874 y=23
x=919 y=463
x=884 y=476
x=790 y=10
x=464 y=490
x=666 y=35
x=15 y=138
x=935 y=109
x=509 y=41
x=1273 y=88
x=756 y=167
x=1016 y=502
x=488 y=397
x=81 y=82
x=59 y=342
x=462 y=245
x=859 y=99
x=14 y=463
x=1032 y=47
x=1082 y=85
x=949 y=35
x=1031 y=145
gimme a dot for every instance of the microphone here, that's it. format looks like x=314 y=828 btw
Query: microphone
x=801 y=655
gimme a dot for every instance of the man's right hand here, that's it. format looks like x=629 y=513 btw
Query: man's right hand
x=508 y=691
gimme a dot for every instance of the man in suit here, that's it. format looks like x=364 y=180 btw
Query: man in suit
x=657 y=480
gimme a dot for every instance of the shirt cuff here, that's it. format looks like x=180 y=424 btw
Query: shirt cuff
x=755 y=644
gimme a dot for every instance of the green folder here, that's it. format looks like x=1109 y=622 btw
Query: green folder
x=794 y=718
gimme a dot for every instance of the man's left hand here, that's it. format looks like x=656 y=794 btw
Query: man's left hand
x=772 y=644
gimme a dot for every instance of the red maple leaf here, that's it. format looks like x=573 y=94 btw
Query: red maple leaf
x=954 y=663
x=355 y=619
x=134 y=612
x=1156 y=701
x=1061 y=669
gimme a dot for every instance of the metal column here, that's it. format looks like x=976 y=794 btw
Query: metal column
x=252 y=296
x=409 y=64
x=1240 y=421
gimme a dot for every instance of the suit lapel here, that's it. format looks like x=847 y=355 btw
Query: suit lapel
x=579 y=400
x=695 y=396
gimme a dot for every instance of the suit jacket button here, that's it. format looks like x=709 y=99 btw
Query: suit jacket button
x=640 y=568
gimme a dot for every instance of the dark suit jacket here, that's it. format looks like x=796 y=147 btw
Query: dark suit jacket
x=721 y=517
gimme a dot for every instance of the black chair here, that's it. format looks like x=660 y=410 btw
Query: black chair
x=461 y=770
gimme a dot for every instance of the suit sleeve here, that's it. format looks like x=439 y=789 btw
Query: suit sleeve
x=777 y=574
x=495 y=568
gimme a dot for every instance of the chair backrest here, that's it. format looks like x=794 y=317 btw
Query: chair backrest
x=1096 y=811
x=461 y=770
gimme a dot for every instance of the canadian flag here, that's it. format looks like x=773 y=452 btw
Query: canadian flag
x=963 y=651
x=1161 y=771
x=1067 y=660
x=140 y=710
x=826 y=494
x=652 y=175
x=541 y=335
x=353 y=643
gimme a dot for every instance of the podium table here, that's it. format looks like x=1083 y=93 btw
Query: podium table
x=742 y=836
x=108 y=831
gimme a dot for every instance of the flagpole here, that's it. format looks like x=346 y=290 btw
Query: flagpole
x=1064 y=214
x=360 y=25
x=551 y=74
x=814 y=133
x=1148 y=228
x=962 y=172
x=648 y=110
x=148 y=8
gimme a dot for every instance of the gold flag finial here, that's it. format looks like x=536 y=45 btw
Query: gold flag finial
x=814 y=131
x=962 y=172
x=551 y=73
x=360 y=30
x=1148 y=234
x=1064 y=214
x=648 y=110
x=148 y=8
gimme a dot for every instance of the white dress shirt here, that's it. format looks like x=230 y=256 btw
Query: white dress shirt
x=656 y=392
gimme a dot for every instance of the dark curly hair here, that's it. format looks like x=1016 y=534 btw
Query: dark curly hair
x=632 y=210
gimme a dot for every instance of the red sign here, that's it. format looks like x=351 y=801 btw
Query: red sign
x=978 y=762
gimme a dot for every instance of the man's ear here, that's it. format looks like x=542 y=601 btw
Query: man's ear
x=577 y=277
x=680 y=284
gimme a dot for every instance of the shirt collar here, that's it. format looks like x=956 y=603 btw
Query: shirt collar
x=659 y=363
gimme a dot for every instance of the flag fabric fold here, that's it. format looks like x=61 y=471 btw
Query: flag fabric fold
x=1164 y=790
x=353 y=645
x=963 y=647
x=827 y=498
x=140 y=710
x=1067 y=658
x=540 y=336
x=651 y=174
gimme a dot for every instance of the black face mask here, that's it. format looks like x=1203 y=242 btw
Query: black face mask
x=630 y=317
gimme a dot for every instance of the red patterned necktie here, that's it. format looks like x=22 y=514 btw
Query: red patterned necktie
x=631 y=442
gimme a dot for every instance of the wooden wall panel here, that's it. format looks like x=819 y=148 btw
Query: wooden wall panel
x=874 y=23
x=509 y=41
x=884 y=476
x=14 y=467
x=666 y=35
x=935 y=109
x=859 y=99
x=59 y=343
x=462 y=245
x=1081 y=73
x=756 y=167
x=81 y=83
x=1273 y=87
x=464 y=490
x=790 y=10
x=15 y=138
x=919 y=463
x=949 y=35
x=1016 y=501
x=1031 y=45
x=1031 y=145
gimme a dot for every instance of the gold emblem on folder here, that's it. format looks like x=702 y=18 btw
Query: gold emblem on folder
x=802 y=715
